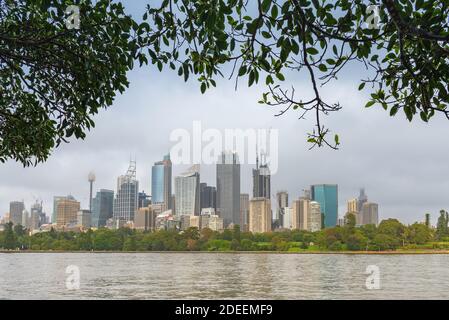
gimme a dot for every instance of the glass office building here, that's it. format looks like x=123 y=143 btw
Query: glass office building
x=327 y=196
x=161 y=176
x=102 y=207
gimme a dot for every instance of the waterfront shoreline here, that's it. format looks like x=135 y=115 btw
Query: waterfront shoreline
x=398 y=252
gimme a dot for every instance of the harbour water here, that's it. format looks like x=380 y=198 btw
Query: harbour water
x=222 y=276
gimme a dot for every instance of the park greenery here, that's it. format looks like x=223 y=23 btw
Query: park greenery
x=389 y=235
x=54 y=79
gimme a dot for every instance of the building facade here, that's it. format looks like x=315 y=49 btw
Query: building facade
x=67 y=211
x=126 y=199
x=187 y=192
x=208 y=196
x=327 y=196
x=370 y=213
x=16 y=209
x=260 y=215
x=282 y=202
x=145 y=219
x=161 y=182
x=102 y=207
x=244 y=211
x=228 y=188
x=84 y=219
x=261 y=180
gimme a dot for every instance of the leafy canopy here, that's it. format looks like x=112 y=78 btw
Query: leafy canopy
x=404 y=45
x=54 y=79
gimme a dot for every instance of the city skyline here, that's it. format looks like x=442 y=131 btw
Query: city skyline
x=191 y=204
x=393 y=181
x=341 y=203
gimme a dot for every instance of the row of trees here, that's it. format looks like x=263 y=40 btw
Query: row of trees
x=389 y=235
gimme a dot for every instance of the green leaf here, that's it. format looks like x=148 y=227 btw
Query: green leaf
x=280 y=76
x=266 y=4
x=312 y=50
x=322 y=67
x=369 y=103
x=242 y=71
x=361 y=86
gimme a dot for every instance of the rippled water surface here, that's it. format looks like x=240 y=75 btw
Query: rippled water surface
x=222 y=276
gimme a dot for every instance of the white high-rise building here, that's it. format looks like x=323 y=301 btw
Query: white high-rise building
x=187 y=192
x=315 y=216
x=287 y=218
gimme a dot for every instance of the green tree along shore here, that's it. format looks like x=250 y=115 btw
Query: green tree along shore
x=389 y=235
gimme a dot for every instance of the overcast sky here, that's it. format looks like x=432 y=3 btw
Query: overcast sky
x=403 y=166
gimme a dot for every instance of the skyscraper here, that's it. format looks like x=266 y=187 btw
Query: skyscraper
x=161 y=182
x=370 y=213
x=208 y=196
x=244 y=211
x=228 y=188
x=352 y=208
x=261 y=179
x=55 y=200
x=327 y=196
x=259 y=215
x=187 y=192
x=144 y=200
x=282 y=202
x=67 y=211
x=102 y=207
x=315 y=217
x=361 y=199
x=125 y=202
x=37 y=216
x=16 y=209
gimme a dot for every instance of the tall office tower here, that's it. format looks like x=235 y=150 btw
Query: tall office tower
x=327 y=196
x=37 y=216
x=361 y=200
x=16 y=209
x=315 y=217
x=228 y=188
x=244 y=211
x=208 y=196
x=67 y=211
x=91 y=179
x=304 y=213
x=144 y=200
x=84 y=219
x=55 y=200
x=261 y=179
x=370 y=213
x=161 y=179
x=102 y=207
x=25 y=219
x=259 y=215
x=282 y=202
x=126 y=198
x=295 y=215
x=352 y=207
x=187 y=192
x=287 y=218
